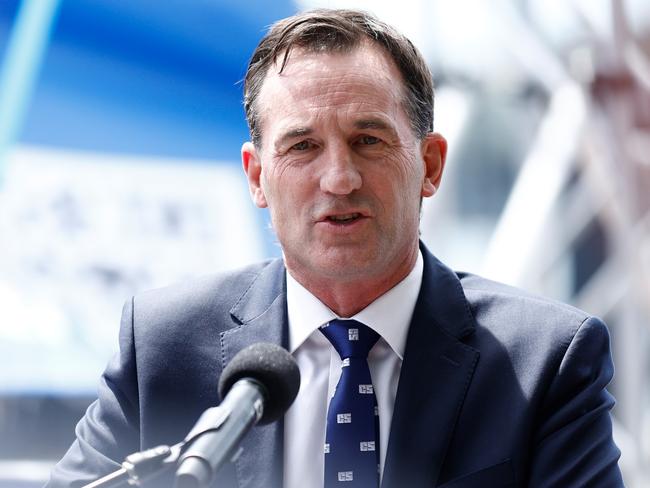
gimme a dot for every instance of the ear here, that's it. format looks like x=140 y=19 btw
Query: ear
x=253 y=168
x=434 y=154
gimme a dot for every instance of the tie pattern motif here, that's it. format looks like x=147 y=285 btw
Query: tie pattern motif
x=352 y=436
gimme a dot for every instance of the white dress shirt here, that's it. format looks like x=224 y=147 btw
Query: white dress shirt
x=320 y=369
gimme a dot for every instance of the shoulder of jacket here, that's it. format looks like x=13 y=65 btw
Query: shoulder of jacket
x=482 y=292
x=197 y=300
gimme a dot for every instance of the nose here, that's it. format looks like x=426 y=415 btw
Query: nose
x=340 y=175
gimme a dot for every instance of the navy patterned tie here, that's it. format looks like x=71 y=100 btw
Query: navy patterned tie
x=352 y=437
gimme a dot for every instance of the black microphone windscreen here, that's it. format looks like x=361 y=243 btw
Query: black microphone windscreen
x=273 y=367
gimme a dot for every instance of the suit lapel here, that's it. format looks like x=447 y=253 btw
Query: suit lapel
x=262 y=313
x=436 y=373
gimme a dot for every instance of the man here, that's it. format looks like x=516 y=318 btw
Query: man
x=474 y=384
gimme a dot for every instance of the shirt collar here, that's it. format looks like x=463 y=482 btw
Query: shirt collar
x=389 y=315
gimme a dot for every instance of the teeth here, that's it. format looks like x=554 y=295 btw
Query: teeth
x=343 y=218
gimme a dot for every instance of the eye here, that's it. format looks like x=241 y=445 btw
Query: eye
x=369 y=140
x=302 y=146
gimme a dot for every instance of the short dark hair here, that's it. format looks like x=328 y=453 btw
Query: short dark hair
x=330 y=30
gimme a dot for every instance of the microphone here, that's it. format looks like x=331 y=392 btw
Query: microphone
x=257 y=386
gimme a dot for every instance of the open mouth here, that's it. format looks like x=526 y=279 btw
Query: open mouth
x=344 y=219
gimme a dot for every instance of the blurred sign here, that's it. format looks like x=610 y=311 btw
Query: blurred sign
x=80 y=233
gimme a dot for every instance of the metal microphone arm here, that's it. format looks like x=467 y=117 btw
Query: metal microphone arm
x=139 y=466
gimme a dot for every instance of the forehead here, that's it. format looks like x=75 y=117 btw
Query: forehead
x=364 y=79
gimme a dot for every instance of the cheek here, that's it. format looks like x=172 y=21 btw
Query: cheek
x=284 y=194
x=406 y=193
x=272 y=181
x=408 y=178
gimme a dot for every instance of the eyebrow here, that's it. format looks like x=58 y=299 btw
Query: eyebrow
x=372 y=124
x=293 y=133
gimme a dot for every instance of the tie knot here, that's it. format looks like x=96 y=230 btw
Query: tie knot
x=350 y=338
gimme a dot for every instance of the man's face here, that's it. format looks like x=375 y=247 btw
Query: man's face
x=339 y=166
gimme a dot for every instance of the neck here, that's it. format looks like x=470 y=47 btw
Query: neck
x=348 y=297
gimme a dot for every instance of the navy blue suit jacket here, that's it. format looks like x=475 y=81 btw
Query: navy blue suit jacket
x=498 y=388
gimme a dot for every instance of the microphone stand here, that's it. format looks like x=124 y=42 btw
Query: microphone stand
x=141 y=465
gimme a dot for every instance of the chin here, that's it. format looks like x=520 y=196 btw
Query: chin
x=349 y=266
x=339 y=262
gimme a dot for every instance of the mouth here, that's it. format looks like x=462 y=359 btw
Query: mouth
x=343 y=218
